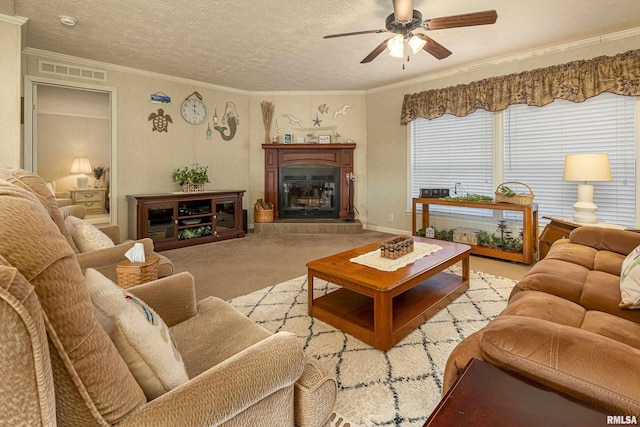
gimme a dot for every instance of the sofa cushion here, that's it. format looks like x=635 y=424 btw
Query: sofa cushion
x=32 y=243
x=545 y=306
x=630 y=280
x=545 y=277
x=140 y=335
x=86 y=236
x=614 y=327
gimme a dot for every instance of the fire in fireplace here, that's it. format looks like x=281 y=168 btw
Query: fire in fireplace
x=309 y=191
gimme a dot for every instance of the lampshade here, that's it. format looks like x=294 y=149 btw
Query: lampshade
x=587 y=167
x=80 y=165
x=416 y=43
x=396 y=46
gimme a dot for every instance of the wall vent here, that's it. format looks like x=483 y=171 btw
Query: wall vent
x=48 y=67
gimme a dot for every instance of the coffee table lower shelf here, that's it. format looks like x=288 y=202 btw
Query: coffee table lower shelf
x=353 y=312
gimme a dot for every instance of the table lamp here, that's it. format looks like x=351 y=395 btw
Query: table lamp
x=81 y=166
x=586 y=167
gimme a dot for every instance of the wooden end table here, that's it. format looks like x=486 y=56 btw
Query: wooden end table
x=380 y=307
x=485 y=395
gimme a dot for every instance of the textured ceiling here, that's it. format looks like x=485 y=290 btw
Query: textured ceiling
x=277 y=45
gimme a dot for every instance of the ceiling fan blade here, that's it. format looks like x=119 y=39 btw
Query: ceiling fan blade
x=375 y=52
x=403 y=10
x=355 y=33
x=434 y=48
x=466 y=20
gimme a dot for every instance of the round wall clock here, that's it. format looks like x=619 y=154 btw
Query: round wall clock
x=193 y=109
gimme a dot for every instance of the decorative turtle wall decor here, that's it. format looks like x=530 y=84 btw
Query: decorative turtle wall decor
x=160 y=121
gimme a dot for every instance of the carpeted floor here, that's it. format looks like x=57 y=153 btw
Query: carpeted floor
x=230 y=268
x=399 y=387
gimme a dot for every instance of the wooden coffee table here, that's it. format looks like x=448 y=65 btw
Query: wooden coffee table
x=381 y=307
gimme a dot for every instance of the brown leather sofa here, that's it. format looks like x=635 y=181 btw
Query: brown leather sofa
x=563 y=327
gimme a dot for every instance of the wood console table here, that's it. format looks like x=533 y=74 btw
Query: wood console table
x=529 y=226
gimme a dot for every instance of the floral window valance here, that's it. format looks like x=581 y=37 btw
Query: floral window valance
x=575 y=81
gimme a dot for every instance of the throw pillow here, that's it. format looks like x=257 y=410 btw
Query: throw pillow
x=86 y=236
x=51 y=189
x=630 y=280
x=140 y=335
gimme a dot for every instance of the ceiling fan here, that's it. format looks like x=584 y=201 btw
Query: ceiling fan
x=404 y=20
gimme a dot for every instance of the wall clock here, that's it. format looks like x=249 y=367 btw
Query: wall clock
x=193 y=109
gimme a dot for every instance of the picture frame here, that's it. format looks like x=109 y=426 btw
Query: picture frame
x=324 y=139
x=288 y=138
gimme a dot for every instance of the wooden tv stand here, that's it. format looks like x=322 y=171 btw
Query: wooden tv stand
x=175 y=220
x=529 y=226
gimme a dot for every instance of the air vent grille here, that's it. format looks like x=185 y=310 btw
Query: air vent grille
x=48 y=67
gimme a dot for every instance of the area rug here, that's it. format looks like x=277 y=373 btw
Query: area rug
x=398 y=387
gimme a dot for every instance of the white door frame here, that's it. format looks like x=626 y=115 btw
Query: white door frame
x=30 y=144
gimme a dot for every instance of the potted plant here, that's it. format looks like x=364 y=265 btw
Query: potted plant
x=191 y=178
x=98 y=171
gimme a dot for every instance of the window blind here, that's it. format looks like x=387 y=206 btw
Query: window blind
x=536 y=140
x=450 y=150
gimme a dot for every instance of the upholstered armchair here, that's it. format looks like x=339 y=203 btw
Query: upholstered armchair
x=59 y=365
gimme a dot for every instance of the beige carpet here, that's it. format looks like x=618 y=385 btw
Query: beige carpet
x=399 y=387
x=231 y=268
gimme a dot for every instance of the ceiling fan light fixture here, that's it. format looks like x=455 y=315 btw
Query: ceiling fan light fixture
x=67 y=21
x=416 y=43
x=396 y=46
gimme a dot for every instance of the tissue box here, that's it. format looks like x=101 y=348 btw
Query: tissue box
x=129 y=273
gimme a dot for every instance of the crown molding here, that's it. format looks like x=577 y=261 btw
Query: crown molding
x=510 y=59
x=13 y=19
x=309 y=93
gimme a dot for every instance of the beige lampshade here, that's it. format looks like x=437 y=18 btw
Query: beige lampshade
x=587 y=167
x=80 y=165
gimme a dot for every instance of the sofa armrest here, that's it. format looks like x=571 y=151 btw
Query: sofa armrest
x=173 y=297
x=576 y=362
x=113 y=232
x=230 y=387
x=105 y=260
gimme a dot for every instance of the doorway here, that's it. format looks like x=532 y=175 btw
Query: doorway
x=67 y=122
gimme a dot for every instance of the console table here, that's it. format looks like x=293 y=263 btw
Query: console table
x=529 y=226
x=174 y=220
x=486 y=396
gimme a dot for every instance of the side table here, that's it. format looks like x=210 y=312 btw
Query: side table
x=560 y=228
x=485 y=395
x=93 y=199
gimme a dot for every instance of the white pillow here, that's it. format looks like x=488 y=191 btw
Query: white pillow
x=86 y=236
x=140 y=335
x=630 y=280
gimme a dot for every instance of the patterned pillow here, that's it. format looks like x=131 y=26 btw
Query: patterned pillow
x=86 y=236
x=140 y=335
x=630 y=280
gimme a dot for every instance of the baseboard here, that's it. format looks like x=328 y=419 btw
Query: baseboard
x=386 y=229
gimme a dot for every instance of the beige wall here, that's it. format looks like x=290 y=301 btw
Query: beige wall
x=10 y=90
x=387 y=148
x=305 y=107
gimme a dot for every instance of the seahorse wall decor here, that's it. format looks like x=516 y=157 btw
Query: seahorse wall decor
x=231 y=119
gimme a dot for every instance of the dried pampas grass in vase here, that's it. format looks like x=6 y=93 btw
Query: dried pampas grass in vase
x=267 y=116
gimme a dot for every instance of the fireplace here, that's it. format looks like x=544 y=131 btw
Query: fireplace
x=309 y=191
x=311 y=200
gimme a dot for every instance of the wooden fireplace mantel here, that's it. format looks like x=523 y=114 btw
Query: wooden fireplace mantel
x=277 y=155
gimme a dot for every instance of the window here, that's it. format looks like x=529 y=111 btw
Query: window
x=536 y=139
x=450 y=150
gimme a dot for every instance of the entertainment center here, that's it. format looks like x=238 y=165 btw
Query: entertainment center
x=174 y=220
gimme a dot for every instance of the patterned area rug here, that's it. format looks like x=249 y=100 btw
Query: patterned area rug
x=398 y=387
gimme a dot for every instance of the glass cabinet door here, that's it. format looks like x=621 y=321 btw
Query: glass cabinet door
x=160 y=221
x=225 y=214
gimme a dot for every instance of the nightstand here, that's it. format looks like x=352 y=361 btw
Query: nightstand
x=560 y=228
x=93 y=199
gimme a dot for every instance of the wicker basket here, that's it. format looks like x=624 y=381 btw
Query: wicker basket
x=134 y=273
x=263 y=215
x=518 y=199
x=396 y=247
x=192 y=188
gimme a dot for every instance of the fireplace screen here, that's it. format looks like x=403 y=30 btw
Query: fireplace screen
x=309 y=191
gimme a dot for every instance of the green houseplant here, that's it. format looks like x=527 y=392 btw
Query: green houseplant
x=191 y=178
